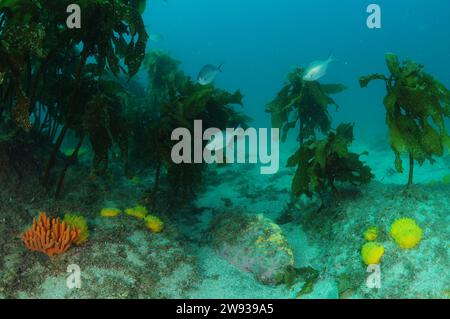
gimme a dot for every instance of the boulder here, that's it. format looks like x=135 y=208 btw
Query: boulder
x=253 y=244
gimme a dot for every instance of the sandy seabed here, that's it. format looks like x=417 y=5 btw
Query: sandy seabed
x=122 y=259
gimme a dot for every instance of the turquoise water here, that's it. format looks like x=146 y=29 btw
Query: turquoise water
x=261 y=41
x=339 y=212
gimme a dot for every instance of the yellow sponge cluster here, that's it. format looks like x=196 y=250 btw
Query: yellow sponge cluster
x=138 y=211
x=406 y=233
x=110 y=212
x=79 y=222
x=154 y=223
x=371 y=253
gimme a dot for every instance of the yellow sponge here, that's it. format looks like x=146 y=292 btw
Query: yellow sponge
x=371 y=233
x=371 y=253
x=78 y=222
x=138 y=211
x=110 y=212
x=154 y=223
x=406 y=233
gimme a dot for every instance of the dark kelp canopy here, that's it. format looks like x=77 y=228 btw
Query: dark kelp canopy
x=55 y=80
x=51 y=76
x=416 y=107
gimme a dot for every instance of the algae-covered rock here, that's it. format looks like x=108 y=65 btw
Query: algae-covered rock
x=253 y=244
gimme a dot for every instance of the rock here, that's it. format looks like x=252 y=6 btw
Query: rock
x=253 y=244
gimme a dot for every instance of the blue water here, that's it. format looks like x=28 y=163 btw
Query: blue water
x=260 y=41
x=228 y=239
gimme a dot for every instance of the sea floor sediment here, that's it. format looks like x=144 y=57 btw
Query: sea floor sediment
x=123 y=259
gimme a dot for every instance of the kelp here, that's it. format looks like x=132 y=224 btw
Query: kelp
x=308 y=275
x=165 y=77
x=174 y=100
x=416 y=108
x=120 y=35
x=113 y=30
x=54 y=73
x=55 y=80
x=319 y=163
x=305 y=104
x=19 y=42
x=322 y=163
x=106 y=124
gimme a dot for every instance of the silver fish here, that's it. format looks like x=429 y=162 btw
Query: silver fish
x=317 y=69
x=208 y=74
